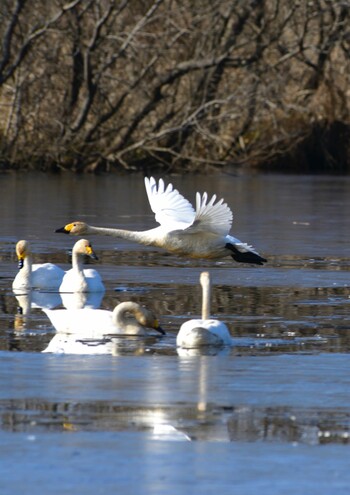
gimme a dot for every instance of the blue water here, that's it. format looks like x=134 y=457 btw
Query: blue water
x=134 y=463
x=270 y=415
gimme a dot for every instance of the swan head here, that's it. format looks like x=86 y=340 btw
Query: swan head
x=74 y=228
x=143 y=316
x=149 y=320
x=84 y=247
x=22 y=251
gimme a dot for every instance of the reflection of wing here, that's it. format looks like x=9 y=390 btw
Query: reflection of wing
x=172 y=211
x=210 y=216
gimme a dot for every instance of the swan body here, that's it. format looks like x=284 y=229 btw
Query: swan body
x=127 y=318
x=78 y=279
x=205 y=331
x=200 y=233
x=45 y=276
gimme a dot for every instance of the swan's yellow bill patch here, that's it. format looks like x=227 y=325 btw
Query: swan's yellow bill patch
x=69 y=227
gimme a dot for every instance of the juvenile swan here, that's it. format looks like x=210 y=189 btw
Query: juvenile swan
x=196 y=333
x=203 y=233
x=78 y=279
x=45 y=276
x=127 y=318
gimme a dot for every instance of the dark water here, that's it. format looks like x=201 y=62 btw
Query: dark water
x=139 y=416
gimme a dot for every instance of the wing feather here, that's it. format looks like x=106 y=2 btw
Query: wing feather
x=210 y=216
x=172 y=211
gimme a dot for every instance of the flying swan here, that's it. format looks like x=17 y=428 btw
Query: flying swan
x=78 y=279
x=127 y=318
x=206 y=331
x=200 y=233
x=45 y=276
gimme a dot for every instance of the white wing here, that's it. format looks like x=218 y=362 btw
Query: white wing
x=210 y=216
x=171 y=209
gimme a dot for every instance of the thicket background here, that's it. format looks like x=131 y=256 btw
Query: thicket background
x=181 y=85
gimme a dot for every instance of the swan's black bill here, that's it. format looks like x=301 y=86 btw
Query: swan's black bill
x=62 y=230
x=20 y=264
x=160 y=330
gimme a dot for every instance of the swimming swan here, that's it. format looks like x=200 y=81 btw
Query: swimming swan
x=203 y=233
x=45 y=276
x=195 y=333
x=78 y=279
x=127 y=318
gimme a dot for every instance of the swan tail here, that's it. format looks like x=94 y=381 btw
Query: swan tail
x=245 y=257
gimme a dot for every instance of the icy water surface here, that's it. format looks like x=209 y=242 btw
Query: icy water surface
x=137 y=415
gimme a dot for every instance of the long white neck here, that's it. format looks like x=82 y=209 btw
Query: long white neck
x=25 y=272
x=78 y=280
x=120 y=318
x=205 y=283
x=145 y=237
x=77 y=262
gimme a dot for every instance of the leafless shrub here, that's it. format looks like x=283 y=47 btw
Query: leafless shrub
x=100 y=84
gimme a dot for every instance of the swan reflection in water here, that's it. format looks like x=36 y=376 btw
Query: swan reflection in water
x=81 y=300
x=33 y=299
x=64 y=343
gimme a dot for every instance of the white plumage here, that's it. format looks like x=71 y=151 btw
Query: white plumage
x=127 y=318
x=200 y=233
x=45 y=276
x=205 y=331
x=78 y=279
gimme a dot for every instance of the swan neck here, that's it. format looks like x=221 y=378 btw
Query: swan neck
x=120 y=314
x=26 y=270
x=27 y=263
x=77 y=262
x=205 y=283
x=121 y=233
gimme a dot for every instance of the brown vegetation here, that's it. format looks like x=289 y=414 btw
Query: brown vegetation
x=91 y=85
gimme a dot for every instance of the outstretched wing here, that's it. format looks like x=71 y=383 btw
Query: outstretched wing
x=171 y=209
x=210 y=216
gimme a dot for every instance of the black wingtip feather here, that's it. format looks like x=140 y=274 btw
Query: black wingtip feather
x=246 y=257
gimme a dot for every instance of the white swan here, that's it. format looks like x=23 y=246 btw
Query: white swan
x=205 y=331
x=78 y=279
x=127 y=318
x=45 y=276
x=203 y=233
x=80 y=300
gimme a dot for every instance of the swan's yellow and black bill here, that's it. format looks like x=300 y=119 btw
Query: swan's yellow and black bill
x=90 y=252
x=64 y=230
x=20 y=263
x=158 y=328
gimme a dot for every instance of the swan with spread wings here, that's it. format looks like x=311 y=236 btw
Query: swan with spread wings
x=195 y=233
